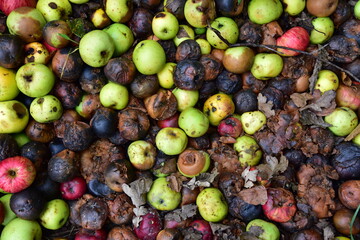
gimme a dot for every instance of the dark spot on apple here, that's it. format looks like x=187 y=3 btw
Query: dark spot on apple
x=19 y=109
x=40 y=101
x=213 y=109
x=31 y=59
x=103 y=53
x=28 y=78
x=12 y=173
x=171 y=133
x=30 y=51
x=39 y=51
x=164 y=30
x=61 y=221
x=54 y=109
x=161 y=201
x=53 y=5
x=160 y=15
x=220 y=25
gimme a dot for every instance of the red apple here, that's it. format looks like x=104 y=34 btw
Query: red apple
x=203 y=227
x=348 y=96
x=50 y=48
x=280 y=206
x=169 y=122
x=73 y=189
x=230 y=126
x=297 y=38
x=85 y=234
x=16 y=174
x=149 y=226
x=6 y=6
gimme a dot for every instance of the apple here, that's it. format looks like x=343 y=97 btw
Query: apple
x=21 y=138
x=100 y=19
x=171 y=141
x=323 y=30
x=22 y=229
x=185 y=98
x=252 y=121
x=27 y=23
x=343 y=120
x=266 y=230
x=96 y=48
x=142 y=154
x=294 y=7
x=7 y=6
x=149 y=226
x=230 y=126
x=149 y=57
x=46 y=109
x=348 y=96
x=296 y=38
x=185 y=32
x=9 y=214
x=192 y=162
x=166 y=75
x=122 y=37
x=238 y=59
x=161 y=196
x=357 y=10
x=14 y=116
x=55 y=214
x=52 y=33
x=36 y=52
x=264 y=11
x=78 y=1
x=205 y=46
x=327 y=80
x=203 y=227
x=228 y=29
x=73 y=189
x=194 y=122
x=199 y=13
x=165 y=25
x=229 y=8
x=249 y=151
x=169 y=122
x=54 y=9
x=267 y=65
x=217 y=107
x=8 y=87
x=212 y=205
x=16 y=174
x=86 y=234
x=35 y=79
x=119 y=10
x=114 y=95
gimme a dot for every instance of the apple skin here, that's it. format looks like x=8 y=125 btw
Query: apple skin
x=36 y=52
x=264 y=11
x=228 y=30
x=348 y=97
x=267 y=65
x=357 y=10
x=171 y=141
x=22 y=229
x=270 y=231
x=212 y=205
x=166 y=75
x=238 y=59
x=7 y=6
x=73 y=189
x=296 y=37
x=169 y=122
x=114 y=95
x=294 y=7
x=16 y=174
x=165 y=25
x=162 y=197
x=142 y=154
x=185 y=32
x=248 y=150
x=54 y=9
x=9 y=214
x=252 y=121
x=14 y=116
x=119 y=10
x=205 y=46
x=199 y=13
x=191 y=161
x=323 y=30
x=96 y=48
x=327 y=80
x=194 y=122
x=46 y=109
x=343 y=121
x=149 y=57
x=223 y=105
x=185 y=98
x=8 y=87
x=35 y=79
x=122 y=37
x=55 y=214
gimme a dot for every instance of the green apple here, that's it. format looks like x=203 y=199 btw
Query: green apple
x=267 y=65
x=149 y=57
x=327 y=80
x=122 y=37
x=54 y=214
x=171 y=141
x=14 y=116
x=205 y=46
x=46 y=109
x=78 y=1
x=343 y=120
x=357 y=10
x=267 y=231
x=185 y=98
x=264 y=11
x=35 y=79
x=166 y=75
x=8 y=87
x=22 y=229
x=119 y=10
x=355 y=140
x=194 y=122
x=185 y=32
x=142 y=154
x=228 y=29
x=21 y=138
x=36 y=52
x=54 y=9
x=323 y=30
x=248 y=150
x=100 y=19
x=198 y=13
x=114 y=95
x=192 y=162
x=9 y=214
x=252 y=121
x=27 y=23
x=162 y=197
x=212 y=205
x=217 y=107
x=96 y=48
x=294 y=7
x=165 y=25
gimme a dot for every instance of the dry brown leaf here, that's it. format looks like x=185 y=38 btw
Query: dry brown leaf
x=265 y=106
x=137 y=190
x=140 y=211
x=185 y=212
x=300 y=99
x=176 y=181
x=203 y=180
x=249 y=177
x=256 y=195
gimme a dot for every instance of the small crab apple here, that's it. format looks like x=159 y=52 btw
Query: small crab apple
x=86 y=234
x=169 y=122
x=264 y=11
x=171 y=141
x=16 y=174
x=73 y=189
x=162 y=197
x=212 y=204
x=217 y=107
x=343 y=120
x=253 y=121
x=149 y=226
x=296 y=38
x=203 y=227
x=230 y=126
x=268 y=230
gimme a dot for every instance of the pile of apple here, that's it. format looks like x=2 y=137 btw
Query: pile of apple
x=113 y=112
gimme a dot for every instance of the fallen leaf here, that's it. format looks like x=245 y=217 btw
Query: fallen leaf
x=301 y=99
x=308 y=117
x=203 y=180
x=190 y=233
x=176 y=181
x=256 y=195
x=265 y=106
x=140 y=211
x=249 y=177
x=185 y=212
x=137 y=190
